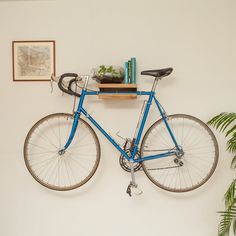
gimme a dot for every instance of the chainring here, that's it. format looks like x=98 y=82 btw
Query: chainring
x=125 y=164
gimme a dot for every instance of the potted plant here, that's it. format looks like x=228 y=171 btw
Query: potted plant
x=226 y=123
x=108 y=74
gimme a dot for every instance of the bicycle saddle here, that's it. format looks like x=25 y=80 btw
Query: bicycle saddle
x=158 y=73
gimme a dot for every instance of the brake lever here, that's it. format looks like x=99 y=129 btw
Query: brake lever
x=51 y=82
x=53 y=79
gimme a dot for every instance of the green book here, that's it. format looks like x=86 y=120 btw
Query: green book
x=129 y=72
x=126 y=67
x=133 y=70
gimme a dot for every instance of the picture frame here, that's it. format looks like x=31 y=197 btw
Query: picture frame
x=33 y=60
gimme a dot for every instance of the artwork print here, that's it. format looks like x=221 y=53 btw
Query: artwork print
x=33 y=60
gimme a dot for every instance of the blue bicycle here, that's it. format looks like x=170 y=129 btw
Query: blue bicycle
x=178 y=153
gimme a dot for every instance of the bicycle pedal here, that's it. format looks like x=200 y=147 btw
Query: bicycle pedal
x=137 y=191
x=133 y=188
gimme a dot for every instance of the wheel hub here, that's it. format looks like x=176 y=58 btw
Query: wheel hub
x=61 y=152
x=179 y=152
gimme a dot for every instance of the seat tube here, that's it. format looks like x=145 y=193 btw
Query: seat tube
x=146 y=111
x=147 y=108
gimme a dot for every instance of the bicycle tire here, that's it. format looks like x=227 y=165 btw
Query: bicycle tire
x=67 y=171
x=194 y=168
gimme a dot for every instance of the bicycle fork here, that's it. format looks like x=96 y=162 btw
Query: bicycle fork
x=74 y=125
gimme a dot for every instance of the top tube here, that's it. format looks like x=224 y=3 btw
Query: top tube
x=134 y=92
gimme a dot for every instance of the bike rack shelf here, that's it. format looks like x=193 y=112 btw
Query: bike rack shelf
x=116 y=89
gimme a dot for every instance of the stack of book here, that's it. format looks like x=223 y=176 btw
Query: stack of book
x=130 y=71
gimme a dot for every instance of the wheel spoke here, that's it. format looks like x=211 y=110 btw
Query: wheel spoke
x=200 y=153
x=61 y=171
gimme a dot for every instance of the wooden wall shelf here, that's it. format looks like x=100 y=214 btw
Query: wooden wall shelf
x=117 y=89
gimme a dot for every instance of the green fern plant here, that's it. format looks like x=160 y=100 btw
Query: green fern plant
x=226 y=123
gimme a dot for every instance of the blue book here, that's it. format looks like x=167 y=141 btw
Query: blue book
x=126 y=67
x=133 y=70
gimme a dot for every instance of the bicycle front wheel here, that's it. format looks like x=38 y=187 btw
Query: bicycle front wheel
x=194 y=167
x=61 y=170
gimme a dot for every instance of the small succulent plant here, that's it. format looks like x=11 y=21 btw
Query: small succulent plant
x=108 y=71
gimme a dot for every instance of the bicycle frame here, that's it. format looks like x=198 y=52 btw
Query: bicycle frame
x=151 y=95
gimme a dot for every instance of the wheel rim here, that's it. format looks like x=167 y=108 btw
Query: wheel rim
x=194 y=168
x=61 y=170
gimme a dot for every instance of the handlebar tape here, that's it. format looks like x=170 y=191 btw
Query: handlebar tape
x=68 y=90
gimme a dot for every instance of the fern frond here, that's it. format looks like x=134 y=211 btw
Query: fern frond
x=229 y=216
x=230 y=195
x=233 y=163
x=231 y=144
x=229 y=119
x=222 y=121
x=234 y=226
x=231 y=130
x=216 y=119
x=225 y=122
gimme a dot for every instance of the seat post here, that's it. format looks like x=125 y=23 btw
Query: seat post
x=155 y=83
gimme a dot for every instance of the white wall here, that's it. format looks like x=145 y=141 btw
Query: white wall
x=196 y=38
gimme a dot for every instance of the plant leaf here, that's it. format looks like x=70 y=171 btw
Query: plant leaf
x=222 y=121
x=231 y=117
x=224 y=225
x=231 y=130
x=215 y=119
x=233 y=163
x=231 y=144
x=228 y=217
x=234 y=226
x=230 y=195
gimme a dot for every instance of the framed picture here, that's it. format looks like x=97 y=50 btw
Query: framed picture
x=33 y=60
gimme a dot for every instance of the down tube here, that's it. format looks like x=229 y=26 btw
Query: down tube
x=105 y=134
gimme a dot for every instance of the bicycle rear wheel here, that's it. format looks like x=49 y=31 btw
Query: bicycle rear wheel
x=56 y=170
x=194 y=168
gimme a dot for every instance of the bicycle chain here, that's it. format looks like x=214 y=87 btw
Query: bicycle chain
x=160 y=168
x=164 y=168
